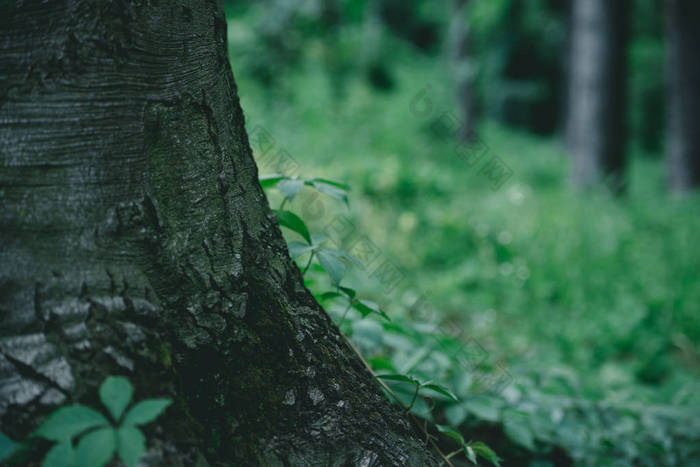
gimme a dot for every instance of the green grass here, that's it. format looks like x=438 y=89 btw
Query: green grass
x=580 y=295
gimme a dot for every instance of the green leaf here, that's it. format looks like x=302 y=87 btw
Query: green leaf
x=456 y=414
x=400 y=377
x=367 y=306
x=328 y=181
x=60 y=455
x=293 y=222
x=290 y=188
x=350 y=293
x=96 y=448
x=317 y=239
x=69 y=421
x=115 y=394
x=329 y=296
x=451 y=432
x=471 y=455
x=130 y=444
x=486 y=452
x=297 y=249
x=381 y=363
x=270 y=180
x=146 y=411
x=7 y=447
x=415 y=359
x=518 y=431
x=331 y=190
x=482 y=408
x=333 y=266
x=344 y=255
x=441 y=390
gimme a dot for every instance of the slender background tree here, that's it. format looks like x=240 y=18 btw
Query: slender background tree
x=463 y=70
x=684 y=94
x=596 y=122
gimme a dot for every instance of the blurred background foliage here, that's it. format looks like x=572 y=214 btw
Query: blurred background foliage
x=590 y=301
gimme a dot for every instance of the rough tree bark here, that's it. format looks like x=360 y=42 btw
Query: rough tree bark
x=596 y=123
x=136 y=240
x=684 y=94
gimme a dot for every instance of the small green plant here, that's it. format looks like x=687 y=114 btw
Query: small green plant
x=291 y=186
x=100 y=438
x=470 y=449
x=334 y=262
x=418 y=385
x=365 y=307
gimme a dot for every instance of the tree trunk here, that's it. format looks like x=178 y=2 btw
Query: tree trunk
x=596 y=124
x=136 y=240
x=463 y=71
x=684 y=94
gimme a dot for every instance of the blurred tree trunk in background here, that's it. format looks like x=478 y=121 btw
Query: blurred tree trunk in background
x=136 y=240
x=684 y=94
x=596 y=122
x=374 y=61
x=463 y=70
x=331 y=21
x=372 y=31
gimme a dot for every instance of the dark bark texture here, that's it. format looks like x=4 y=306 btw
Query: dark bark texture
x=136 y=240
x=596 y=123
x=684 y=94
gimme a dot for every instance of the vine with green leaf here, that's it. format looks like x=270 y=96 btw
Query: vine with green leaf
x=335 y=263
x=85 y=437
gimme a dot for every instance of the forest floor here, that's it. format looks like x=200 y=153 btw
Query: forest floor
x=588 y=302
